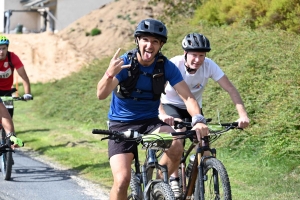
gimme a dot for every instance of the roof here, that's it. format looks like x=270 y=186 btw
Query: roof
x=35 y=3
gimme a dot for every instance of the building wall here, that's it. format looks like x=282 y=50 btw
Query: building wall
x=68 y=11
x=1 y=16
x=30 y=20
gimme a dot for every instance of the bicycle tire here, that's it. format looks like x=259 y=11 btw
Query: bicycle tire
x=6 y=160
x=180 y=180
x=162 y=191
x=216 y=184
x=135 y=188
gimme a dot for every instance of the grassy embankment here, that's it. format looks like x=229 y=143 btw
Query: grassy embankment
x=262 y=161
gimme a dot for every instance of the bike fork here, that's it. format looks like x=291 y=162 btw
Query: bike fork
x=215 y=175
x=147 y=171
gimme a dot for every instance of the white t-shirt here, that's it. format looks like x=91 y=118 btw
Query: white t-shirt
x=196 y=82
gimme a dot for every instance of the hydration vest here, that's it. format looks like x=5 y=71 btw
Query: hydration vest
x=126 y=87
x=9 y=61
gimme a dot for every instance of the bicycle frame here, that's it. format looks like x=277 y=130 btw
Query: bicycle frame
x=198 y=169
x=142 y=183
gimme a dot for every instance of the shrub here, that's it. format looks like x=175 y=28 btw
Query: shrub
x=95 y=31
x=282 y=14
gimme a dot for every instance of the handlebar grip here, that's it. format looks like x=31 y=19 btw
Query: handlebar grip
x=190 y=132
x=235 y=124
x=21 y=98
x=102 y=132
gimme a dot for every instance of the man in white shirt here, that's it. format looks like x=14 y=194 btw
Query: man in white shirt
x=196 y=70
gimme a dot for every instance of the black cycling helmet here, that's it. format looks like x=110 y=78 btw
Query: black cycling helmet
x=195 y=42
x=152 y=27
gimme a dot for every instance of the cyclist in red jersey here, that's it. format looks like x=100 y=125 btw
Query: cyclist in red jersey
x=8 y=63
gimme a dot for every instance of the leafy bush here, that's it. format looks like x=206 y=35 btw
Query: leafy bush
x=177 y=8
x=95 y=31
x=282 y=14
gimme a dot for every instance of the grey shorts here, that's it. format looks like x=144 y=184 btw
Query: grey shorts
x=141 y=126
x=178 y=112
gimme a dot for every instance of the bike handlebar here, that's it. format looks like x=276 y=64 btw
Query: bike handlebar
x=215 y=130
x=6 y=148
x=21 y=99
x=6 y=98
x=114 y=135
x=156 y=141
x=213 y=127
x=131 y=135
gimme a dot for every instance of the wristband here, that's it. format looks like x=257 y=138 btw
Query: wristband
x=198 y=119
x=108 y=75
x=10 y=134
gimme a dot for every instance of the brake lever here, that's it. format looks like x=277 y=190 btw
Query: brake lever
x=105 y=138
x=178 y=126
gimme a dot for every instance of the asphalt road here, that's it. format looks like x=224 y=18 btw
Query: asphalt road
x=33 y=179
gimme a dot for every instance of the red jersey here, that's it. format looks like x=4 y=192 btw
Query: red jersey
x=6 y=72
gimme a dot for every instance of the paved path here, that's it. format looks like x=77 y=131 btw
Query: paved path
x=32 y=179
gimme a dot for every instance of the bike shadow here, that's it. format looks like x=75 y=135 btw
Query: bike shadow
x=28 y=168
x=33 y=130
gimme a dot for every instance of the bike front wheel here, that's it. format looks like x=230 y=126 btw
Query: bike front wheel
x=162 y=191
x=135 y=188
x=215 y=181
x=6 y=161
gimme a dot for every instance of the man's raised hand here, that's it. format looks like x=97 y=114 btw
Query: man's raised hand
x=116 y=64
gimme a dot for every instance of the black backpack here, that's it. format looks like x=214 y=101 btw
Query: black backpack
x=9 y=61
x=126 y=87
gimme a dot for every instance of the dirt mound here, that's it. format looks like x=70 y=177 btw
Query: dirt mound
x=49 y=57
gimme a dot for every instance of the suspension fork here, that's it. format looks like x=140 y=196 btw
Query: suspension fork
x=137 y=171
x=215 y=174
x=147 y=170
x=200 y=152
x=198 y=166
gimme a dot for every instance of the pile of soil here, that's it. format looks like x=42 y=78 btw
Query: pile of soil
x=52 y=56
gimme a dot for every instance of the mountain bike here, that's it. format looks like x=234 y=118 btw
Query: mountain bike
x=6 y=157
x=205 y=177
x=144 y=184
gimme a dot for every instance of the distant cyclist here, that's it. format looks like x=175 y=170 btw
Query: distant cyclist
x=8 y=62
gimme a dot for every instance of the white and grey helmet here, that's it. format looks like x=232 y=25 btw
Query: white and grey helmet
x=196 y=42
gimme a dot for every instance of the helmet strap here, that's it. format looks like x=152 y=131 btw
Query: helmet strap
x=188 y=69
x=137 y=46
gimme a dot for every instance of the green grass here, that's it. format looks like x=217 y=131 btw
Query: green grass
x=262 y=161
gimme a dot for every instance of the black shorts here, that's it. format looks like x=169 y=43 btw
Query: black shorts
x=177 y=112
x=141 y=126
